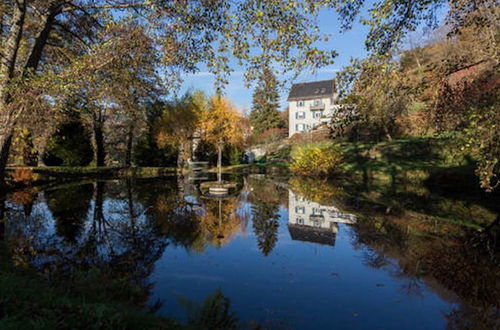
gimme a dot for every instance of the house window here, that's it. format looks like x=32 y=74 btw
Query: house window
x=300 y=210
x=300 y=127
x=300 y=115
x=317 y=114
x=300 y=104
x=317 y=211
x=300 y=221
x=318 y=102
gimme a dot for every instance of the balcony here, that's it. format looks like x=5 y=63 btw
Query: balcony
x=317 y=217
x=315 y=107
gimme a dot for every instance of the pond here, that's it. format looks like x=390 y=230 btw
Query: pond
x=280 y=253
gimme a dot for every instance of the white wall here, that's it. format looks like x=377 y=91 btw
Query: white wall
x=309 y=121
x=307 y=213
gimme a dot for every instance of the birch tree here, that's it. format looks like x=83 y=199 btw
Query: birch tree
x=220 y=126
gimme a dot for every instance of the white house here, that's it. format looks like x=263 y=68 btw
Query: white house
x=310 y=104
x=312 y=222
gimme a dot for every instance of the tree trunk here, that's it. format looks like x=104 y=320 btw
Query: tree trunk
x=130 y=140
x=219 y=162
x=99 y=202
x=41 y=40
x=3 y=199
x=180 y=156
x=387 y=134
x=7 y=65
x=10 y=49
x=100 y=152
x=4 y=152
x=130 y=199
x=40 y=162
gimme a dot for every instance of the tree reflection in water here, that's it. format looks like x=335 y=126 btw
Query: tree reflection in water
x=69 y=207
x=214 y=313
x=422 y=239
x=220 y=221
x=111 y=237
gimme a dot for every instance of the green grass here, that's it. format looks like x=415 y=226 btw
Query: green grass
x=27 y=301
x=105 y=170
x=279 y=167
x=410 y=160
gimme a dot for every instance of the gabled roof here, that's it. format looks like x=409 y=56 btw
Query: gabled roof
x=312 y=90
x=311 y=234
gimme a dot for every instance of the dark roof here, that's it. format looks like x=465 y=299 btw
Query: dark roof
x=312 y=234
x=314 y=89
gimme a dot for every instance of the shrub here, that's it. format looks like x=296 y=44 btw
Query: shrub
x=22 y=175
x=316 y=160
x=71 y=145
x=271 y=135
x=147 y=153
x=235 y=156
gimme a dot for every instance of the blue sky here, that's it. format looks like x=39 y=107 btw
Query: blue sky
x=347 y=45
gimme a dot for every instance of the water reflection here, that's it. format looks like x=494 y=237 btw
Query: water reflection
x=434 y=253
x=213 y=313
x=309 y=221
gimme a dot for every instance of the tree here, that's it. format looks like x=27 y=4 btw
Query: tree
x=265 y=222
x=455 y=83
x=265 y=103
x=220 y=127
x=43 y=37
x=70 y=146
x=179 y=122
x=379 y=92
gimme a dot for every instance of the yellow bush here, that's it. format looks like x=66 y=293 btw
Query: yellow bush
x=316 y=160
x=22 y=175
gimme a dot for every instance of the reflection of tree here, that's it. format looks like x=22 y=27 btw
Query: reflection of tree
x=188 y=221
x=324 y=193
x=220 y=220
x=117 y=241
x=477 y=317
x=430 y=251
x=2 y=215
x=265 y=224
x=272 y=191
x=213 y=314
x=175 y=215
x=69 y=207
x=26 y=198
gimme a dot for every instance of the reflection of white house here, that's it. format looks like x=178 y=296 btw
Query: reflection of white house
x=312 y=222
x=310 y=104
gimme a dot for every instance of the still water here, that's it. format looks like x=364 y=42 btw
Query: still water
x=280 y=253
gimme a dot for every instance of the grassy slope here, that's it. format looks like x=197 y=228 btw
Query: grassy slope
x=413 y=159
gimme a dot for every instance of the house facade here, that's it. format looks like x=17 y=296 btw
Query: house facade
x=312 y=222
x=310 y=104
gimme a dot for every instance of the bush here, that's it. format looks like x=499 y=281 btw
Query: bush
x=271 y=135
x=235 y=156
x=316 y=160
x=71 y=145
x=22 y=175
x=147 y=153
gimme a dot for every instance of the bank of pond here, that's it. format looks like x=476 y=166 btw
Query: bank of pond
x=281 y=252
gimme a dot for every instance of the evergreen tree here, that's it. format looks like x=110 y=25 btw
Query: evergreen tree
x=265 y=224
x=71 y=145
x=265 y=114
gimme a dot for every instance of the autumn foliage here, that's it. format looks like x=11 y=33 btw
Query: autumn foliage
x=316 y=160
